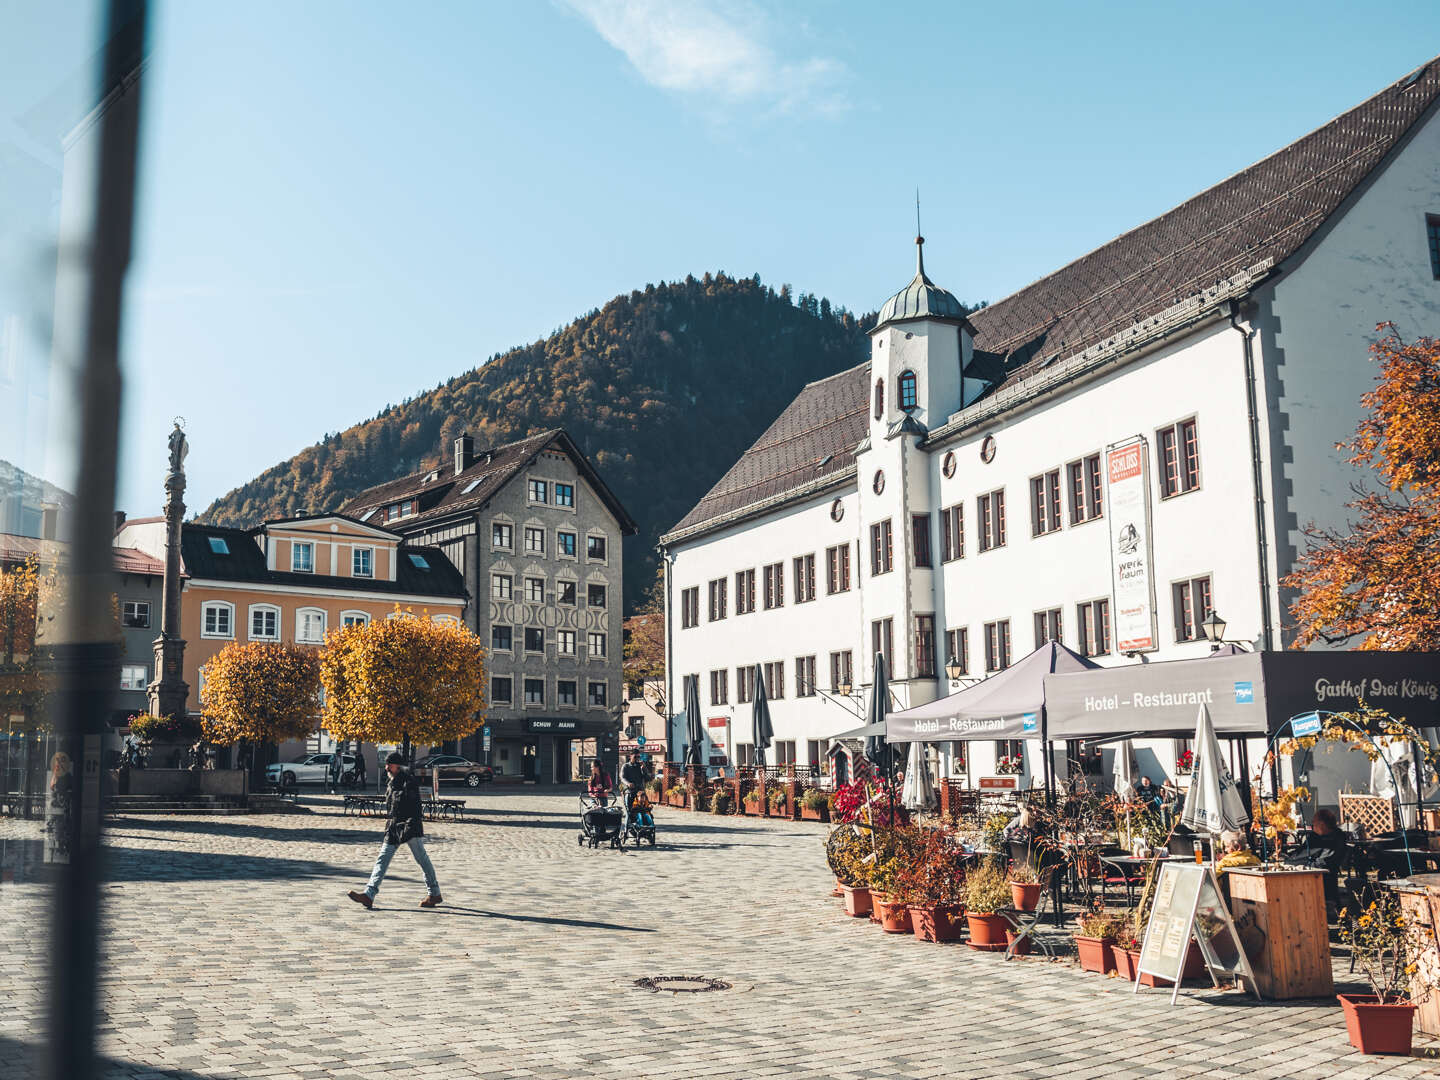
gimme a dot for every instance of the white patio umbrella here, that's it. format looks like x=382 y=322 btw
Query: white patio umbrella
x=918 y=792
x=1401 y=789
x=1124 y=768
x=1213 y=804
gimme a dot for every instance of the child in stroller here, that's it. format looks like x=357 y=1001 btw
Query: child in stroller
x=639 y=821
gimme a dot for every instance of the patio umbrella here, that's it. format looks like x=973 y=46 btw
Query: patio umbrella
x=1124 y=768
x=919 y=792
x=695 y=729
x=761 y=733
x=876 y=748
x=1213 y=803
x=1396 y=782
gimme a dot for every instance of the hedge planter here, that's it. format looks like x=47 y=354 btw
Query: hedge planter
x=937 y=922
x=987 y=932
x=1096 y=954
x=819 y=813
x=857 y=900
x=1375 y=1028
x=1025 y=895
x=894 y=915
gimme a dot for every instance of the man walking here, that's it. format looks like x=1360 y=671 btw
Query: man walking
x=405 y=824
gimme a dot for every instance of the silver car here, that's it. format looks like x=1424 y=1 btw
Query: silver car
x=312 y=768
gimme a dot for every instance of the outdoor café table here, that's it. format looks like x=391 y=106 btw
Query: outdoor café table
x=1127 y=865
x=1419 y=857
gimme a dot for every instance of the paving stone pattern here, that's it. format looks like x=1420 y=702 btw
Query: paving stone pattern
x=232 y=951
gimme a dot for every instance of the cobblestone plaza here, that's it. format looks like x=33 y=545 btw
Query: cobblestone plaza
x=231 y=951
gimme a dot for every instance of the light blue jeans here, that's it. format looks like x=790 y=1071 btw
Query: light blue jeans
x=422 y=860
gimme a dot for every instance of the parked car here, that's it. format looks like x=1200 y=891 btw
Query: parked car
x=312 y=768
x=454 y=768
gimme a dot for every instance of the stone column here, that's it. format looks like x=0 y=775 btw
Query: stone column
x=168 y=693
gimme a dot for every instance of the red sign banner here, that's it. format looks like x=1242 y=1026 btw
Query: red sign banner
x=999 y=783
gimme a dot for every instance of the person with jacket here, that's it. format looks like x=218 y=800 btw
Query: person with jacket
x=404 y=824
x=600 y=783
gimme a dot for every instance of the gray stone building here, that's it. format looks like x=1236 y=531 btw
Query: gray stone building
x=139 y=585
x=538 y=537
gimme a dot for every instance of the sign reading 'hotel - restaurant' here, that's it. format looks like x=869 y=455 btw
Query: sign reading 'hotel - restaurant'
x=1128 y=498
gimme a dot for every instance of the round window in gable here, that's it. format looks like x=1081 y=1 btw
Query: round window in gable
x=947 y=467
x=987 y=449
x=879 y=484
x=837 y=510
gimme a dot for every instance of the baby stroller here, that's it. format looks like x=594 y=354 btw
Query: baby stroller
x=599 y=822
x=639 y=819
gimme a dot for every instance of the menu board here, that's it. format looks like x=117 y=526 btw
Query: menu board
x=1188 y=903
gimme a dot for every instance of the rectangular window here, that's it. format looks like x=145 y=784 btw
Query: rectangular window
x=302 y=557
x=354 y=618
x=745 y=684
x=1010 y=748
x=775 y=680
x=690 y=607
x=310 y=627
x=882 y=640
x=784 y=751
x=925 y=664
x=134 y=677
x=217 y=620
x=264 y=624
x=539 y=491
x=837 y=565
x=595 y=596
x=952 y=533
x=565 y=642
x=599 y=698
x=502 y=536
x=501 y=586
x=992 y=520
x=882 y=552
x=565 y=495
x=1179 y=458
x=595 y=548
x=535 y=639
x=717 y=599
x=1083 y=479
x=362 y=562
x=565 y=593
x=804 y=578
x=565 y=545
x=814 y=753
x=744 y=592
x=842 y=670
x=774 y=575
x=1094 y=628
x=1047 y=626
x=804 y=676
x=534 y=540
x=997 y=645
x=534 y=691
x=1045 y=503
x=502 y=690
x=565 y=692
x=595 y=643
x=957 y=648
x=534 y=590
x=502 y=638
x=1192 y=607
x=135 y=614
x=1432 y=239
x=720 y=687
x=920 y=526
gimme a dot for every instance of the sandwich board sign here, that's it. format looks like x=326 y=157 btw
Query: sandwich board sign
x=1188 y=902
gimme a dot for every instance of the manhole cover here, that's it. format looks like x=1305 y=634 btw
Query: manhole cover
x=681 y=984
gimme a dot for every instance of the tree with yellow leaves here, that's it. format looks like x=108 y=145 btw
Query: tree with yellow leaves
x=405 y=679
x=261 y=692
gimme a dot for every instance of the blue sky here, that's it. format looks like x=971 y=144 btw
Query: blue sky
x=344 y=204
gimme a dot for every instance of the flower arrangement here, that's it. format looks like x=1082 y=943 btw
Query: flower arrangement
x=935 y=874
x=866 y=800
x=1185 y=763
x=993 y=834
x=776 y=797
x=849 y=855
x=722 y=802
x=986 y=890
x=1391 y=950
x=1009 y=765
x=752 y=798
x=814 y=799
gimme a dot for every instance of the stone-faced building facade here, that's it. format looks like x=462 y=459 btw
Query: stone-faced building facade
x=537 y=536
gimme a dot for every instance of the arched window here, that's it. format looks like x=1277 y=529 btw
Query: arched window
x=879 y=398
x=907 y=390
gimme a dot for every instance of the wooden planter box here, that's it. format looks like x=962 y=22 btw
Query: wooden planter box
x=1095 y=954
x=754 y=809
x=821 y=813
x=780 y=811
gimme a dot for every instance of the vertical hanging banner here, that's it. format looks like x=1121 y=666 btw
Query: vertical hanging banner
x=1131 y=561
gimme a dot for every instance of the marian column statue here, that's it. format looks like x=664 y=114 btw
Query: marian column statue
x=168 y=692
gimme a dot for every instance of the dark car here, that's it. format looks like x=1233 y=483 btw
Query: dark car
x=454 y=768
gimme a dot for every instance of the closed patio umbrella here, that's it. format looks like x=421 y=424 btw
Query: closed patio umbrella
x=876 y=747
x=919 y=792
x=761 y=733
x=694 y=727
x=1213 y=804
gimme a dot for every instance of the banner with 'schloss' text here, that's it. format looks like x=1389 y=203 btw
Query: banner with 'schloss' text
x=1131 y=562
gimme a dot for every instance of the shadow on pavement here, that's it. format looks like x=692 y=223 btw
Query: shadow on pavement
x=24 y=1060
x=138 y=864
x=478 y=913
x=246 y=830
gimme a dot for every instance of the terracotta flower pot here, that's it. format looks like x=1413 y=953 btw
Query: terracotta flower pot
x=1024 y=948
x=987 y=932
x=894 y=915
x=1375 y=1028
x=1096 y=954
x=936 y=922
x=1025 y=895
x=1125 y=962
x=839 y=890
x=857 y=900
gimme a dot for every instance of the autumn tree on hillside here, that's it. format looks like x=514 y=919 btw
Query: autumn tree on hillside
x=1377 y=580
x=261 y=692
x=405 y=679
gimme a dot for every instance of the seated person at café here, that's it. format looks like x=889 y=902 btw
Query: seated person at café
x=1323 y=849
x=1236 y=852
x=1148 y=792
x=1021 y=829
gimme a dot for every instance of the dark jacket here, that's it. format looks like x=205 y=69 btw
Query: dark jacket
x=406 y=818
x=633 y=774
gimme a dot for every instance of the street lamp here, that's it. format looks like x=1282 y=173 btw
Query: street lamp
x=843 y=687
x=1213 y=626
x=953 y=670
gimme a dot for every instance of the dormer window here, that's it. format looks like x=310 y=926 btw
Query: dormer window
x=404 y=508
x=879 y=398
x=419 y=561
x=908 y=398
x=302 y=557
x=218 y=545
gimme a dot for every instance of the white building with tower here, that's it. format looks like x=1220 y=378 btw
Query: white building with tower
x=1102 y=458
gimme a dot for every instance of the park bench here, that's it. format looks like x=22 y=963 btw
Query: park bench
x=374 y=806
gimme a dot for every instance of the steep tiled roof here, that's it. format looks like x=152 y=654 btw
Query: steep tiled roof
x=1260 y=216
x=17 y=549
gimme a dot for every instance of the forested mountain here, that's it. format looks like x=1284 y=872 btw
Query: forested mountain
x=663 y=389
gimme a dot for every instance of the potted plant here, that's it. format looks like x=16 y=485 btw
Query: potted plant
x=779 y=805
x=993 y=833
x=677 y=794
x=1390 y=950
x=848 y=853
x=885 y=886
x=751 y=801
x=1126 y=950
x=933 y=887
x=1024 y=887
x=986 y=893
x=723 y=801
x=1095 y=934
x=814 y=805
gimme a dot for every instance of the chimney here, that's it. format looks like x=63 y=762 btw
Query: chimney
x=49 y=519
x=119 y=520
x=464 y=453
